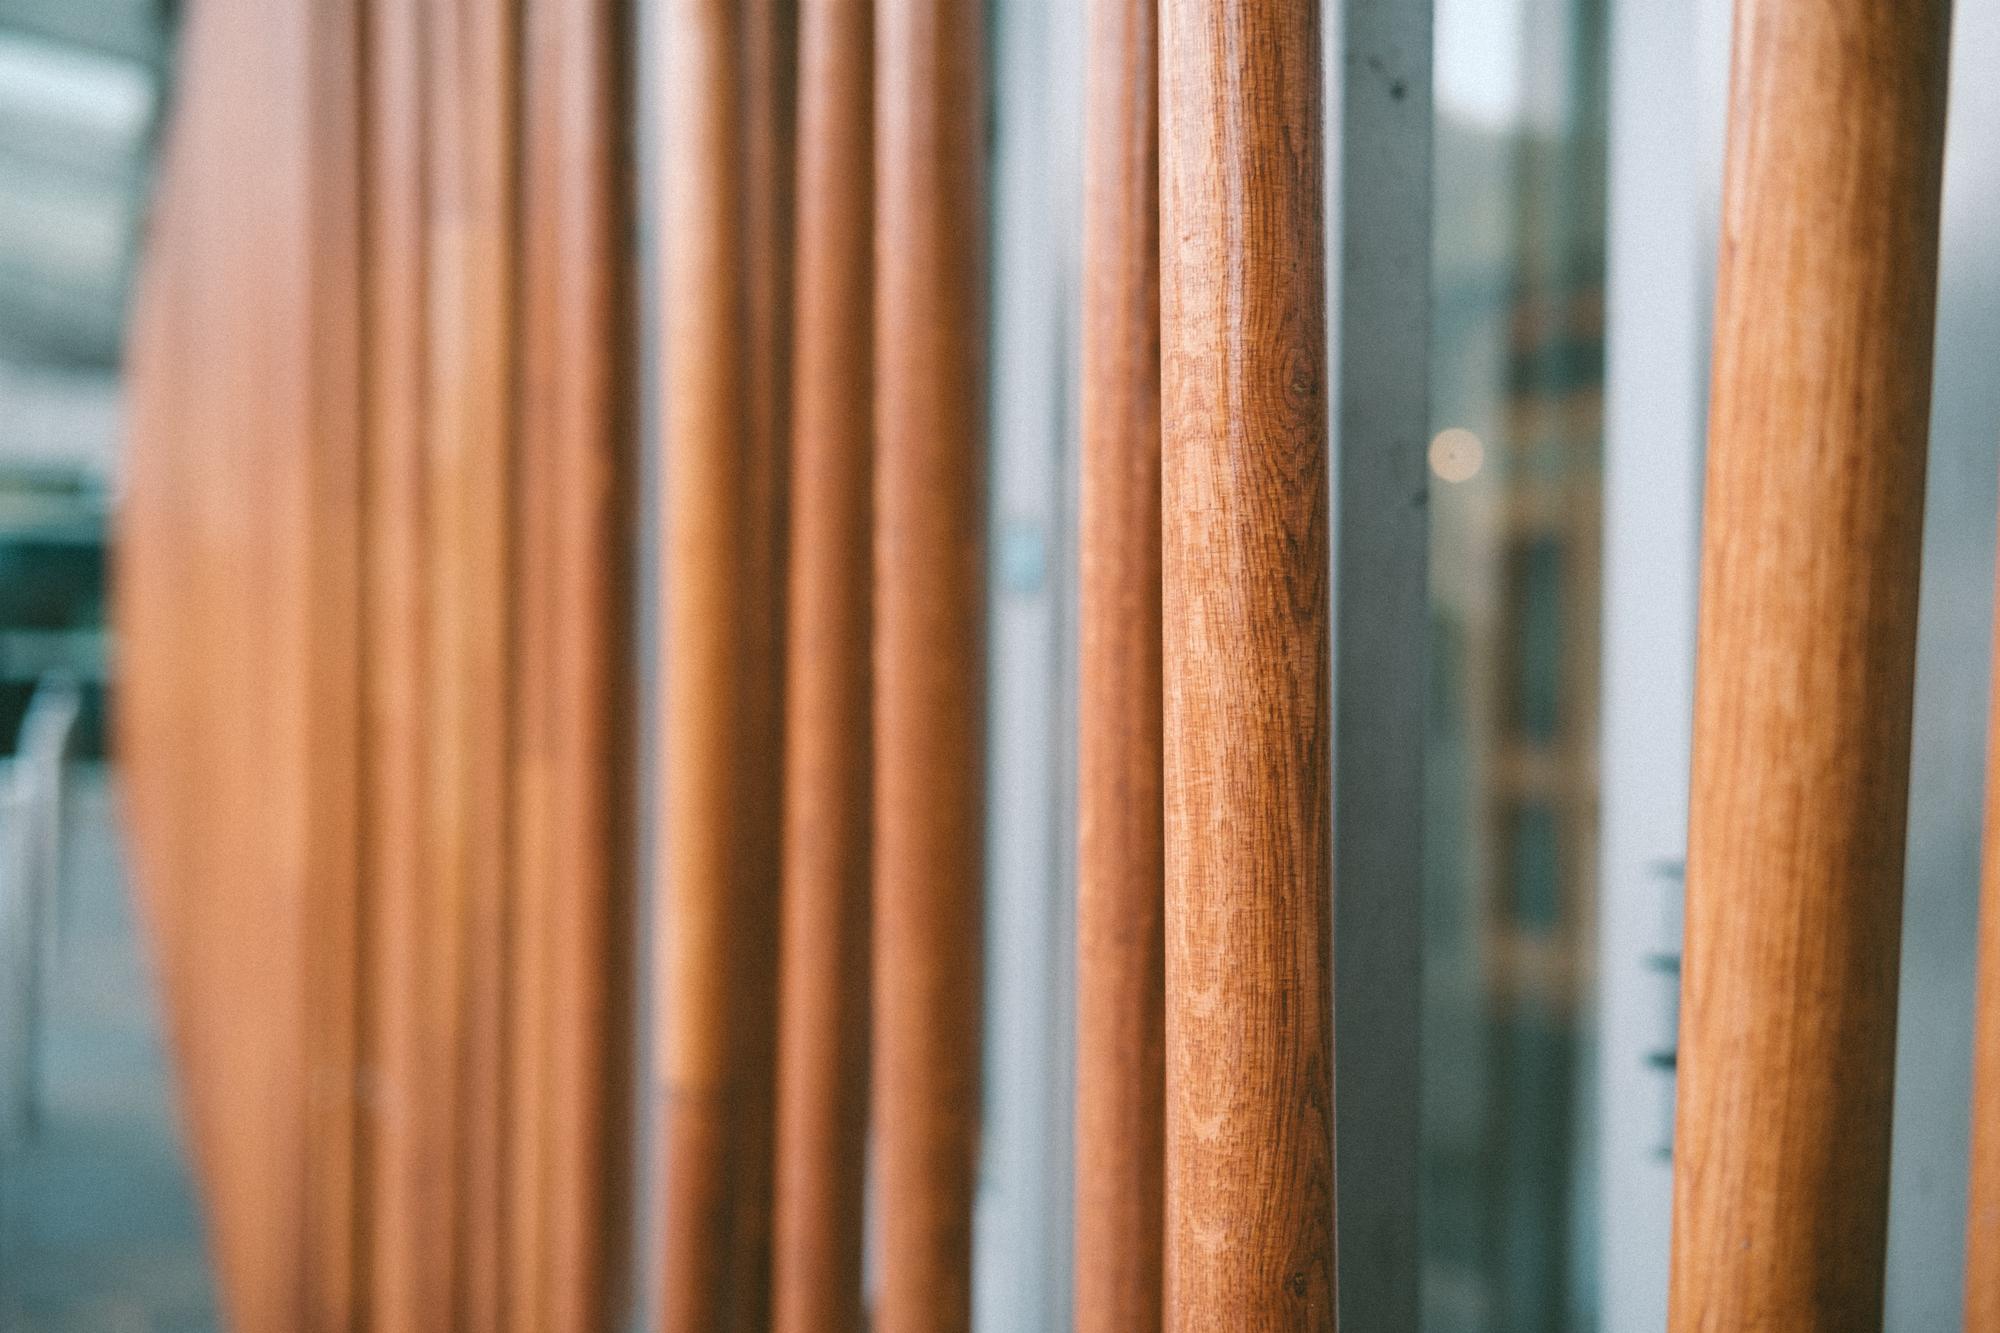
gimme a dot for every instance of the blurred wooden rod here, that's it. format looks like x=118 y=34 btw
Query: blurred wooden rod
x=400 y=1229
x=579 y=106
x=729 y=156
x=930 y=613
x=706 y=497
x=769 y=110
x=474 y=324
x=823 y=1032
x=1813 y=517
x=1245 y=558
x=1120 y=1075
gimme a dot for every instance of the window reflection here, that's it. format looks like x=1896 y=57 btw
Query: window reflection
x=1518 y=367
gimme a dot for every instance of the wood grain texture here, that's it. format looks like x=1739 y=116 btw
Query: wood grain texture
x=1121 y=988
x=1813 y=515
x=1245 y=564
x=929 y=652
x=823 y=1028
x=1982 y=1221
x=728 y=354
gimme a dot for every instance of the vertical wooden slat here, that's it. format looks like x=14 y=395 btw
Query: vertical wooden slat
x=708 y=498
x=396 y=1150
x=1813 y=513
x=326 y=535
x=1121 y=998
x=252 y=274
x=584 y=144
x=539 y=622
x=770 y=61
x=1249 y=1240
x=823 y=1031
x=469 y=442
x=235 y=576
x=929 y=489
x=444 y=1008
x=485 y=43
x=318 y=605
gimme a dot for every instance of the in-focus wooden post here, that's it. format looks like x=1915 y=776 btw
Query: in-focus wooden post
x=1982 y=1222
x=930 y=618
x=1121 y=997
x=823 y=1012
x=1249 y=1230
x=1813 y=515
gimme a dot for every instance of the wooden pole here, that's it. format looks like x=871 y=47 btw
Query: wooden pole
x=539 y=623
x=395 y=1147
x=1814 y=508
x=317 y=611
x=823 y=1030
x=1982 y=1223
x=1121 y=997
x=1249 y=1230
x=728 y=353
x=471 y=484
x=238 y=617
x=581 y=112
x=706 y=496
x=930 y=613
x=770 y=51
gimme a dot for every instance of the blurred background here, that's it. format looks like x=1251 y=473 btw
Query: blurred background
x=99 y=1226
x=1577 y=169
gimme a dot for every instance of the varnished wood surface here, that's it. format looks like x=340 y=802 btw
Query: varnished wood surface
x=703 y=316
x=729 y=185
x=1812 y=524
x=234 y=570
x=769 y=113
x=1245 y=561
x=1121 y=995
x=929 y=636
x=475 y=455
x=579 y=196
x=320 y=636
x=397 y=1159
x=823 y=1030
x=402 y=1058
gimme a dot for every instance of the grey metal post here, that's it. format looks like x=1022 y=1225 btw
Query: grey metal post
x=1381 y=632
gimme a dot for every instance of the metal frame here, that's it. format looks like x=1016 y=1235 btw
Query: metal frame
x=1381 y=353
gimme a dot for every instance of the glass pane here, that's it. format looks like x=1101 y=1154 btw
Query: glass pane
x=1518 y=375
